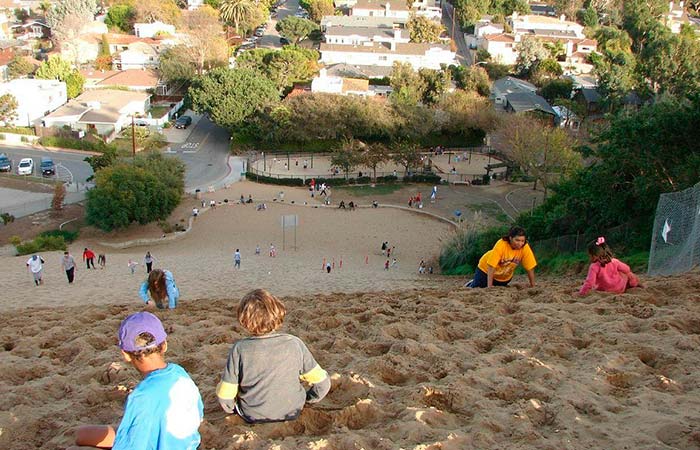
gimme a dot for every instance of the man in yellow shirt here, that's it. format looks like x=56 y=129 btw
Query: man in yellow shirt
x=496 y=267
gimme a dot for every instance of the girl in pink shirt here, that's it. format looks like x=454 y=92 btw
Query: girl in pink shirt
x=606 y=273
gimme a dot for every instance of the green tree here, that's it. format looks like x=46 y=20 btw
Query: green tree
x=436 y=83
x=407 y=85
x=216 y=4
x=285 y=67
x=530 y=52
x=54 y=68
x=237 y=12
x=105 y=159
x=542 y=151
x=468 y=12
x=19 y=67
x=465 y=113
x=589 y=17
x=74 y=84
x=507 y=7
x=158 y=10
x=319 y=8
x=104 y=55
x=143 y=192
x=556 y=89
x=374 y=155
x=471 y=78
x=423 y=30
x=230 y=97
x=121 y=16
x=8 y=109
x=636 y=157
x=176 y=65
x=671 y=63
x=295 y=29
x=205 y=45
x=348 y=155
x=405 y=153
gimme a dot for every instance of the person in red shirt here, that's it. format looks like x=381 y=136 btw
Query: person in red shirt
x=89 y=257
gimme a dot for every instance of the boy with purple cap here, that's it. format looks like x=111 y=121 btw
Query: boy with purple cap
x=164 y=410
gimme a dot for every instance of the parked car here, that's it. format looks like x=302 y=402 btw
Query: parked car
x=259 y=32
x=48 y=168
x=25 y=167
x=284 y=41
x=5 y=163
x=183 y=122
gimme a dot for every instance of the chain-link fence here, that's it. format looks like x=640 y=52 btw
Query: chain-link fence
x=573 y=243
x=675 y=242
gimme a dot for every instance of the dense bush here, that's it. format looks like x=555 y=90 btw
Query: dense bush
x=68 y=236
x=148 y=190
x=461 y=254
x=41 y=244
x=279 y=181
x=18 y=130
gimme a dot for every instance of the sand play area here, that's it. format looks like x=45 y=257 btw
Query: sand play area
x=417 y=362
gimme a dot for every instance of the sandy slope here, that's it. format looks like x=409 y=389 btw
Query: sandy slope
x=444 y=368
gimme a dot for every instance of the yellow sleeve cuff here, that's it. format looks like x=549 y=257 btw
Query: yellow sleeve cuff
x=226 y=391
x=315 y=375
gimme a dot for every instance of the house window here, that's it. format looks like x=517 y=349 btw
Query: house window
x=509 y=45
x=383 y=58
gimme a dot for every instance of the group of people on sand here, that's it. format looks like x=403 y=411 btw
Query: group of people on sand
x=497 y=266
x=35 y=265
x=268 y=377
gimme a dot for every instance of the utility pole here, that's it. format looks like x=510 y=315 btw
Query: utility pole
x=133 y=138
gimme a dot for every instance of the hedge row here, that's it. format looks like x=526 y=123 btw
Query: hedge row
x=78 y=144
x=341 y=181
x=18 y=130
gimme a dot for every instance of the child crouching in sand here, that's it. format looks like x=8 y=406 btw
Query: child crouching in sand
x=262 y=380
x=607 y=273
x=164 y=410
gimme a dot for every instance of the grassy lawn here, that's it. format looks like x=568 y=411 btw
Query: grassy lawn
x=367 y=190
x=158 y=111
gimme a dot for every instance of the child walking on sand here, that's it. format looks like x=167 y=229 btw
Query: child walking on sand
x=262 y=380
x=132 y=266
x=607 y=273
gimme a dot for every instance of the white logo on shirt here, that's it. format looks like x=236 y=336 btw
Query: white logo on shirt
x=182 y=416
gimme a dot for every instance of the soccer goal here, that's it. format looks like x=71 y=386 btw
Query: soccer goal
x=675 y=242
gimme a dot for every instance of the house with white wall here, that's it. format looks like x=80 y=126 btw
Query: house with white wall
x=381 y=8
x=432 y=9
x=35 y=98
x=103 y=111
x=359 y=36
x=429 y=56
x=503 y=47
x=153 y=29
x=340 y=85
x=362 y=22
x=139 y=55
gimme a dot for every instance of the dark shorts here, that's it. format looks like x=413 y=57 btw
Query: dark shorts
x=481 y=280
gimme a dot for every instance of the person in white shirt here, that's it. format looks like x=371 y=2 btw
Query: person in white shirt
x=36 y=266
x=237 y=259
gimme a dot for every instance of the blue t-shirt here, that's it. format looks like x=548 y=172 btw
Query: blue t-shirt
x=162 y=413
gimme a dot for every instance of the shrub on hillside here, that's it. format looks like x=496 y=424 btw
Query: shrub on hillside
x=461 y=254
x=77 y=144
x=68 y=236
x=143 y=192
x=41 y=244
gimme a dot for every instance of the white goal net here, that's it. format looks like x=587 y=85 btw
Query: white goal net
x=675 y=242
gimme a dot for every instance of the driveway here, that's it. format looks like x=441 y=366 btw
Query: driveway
x=271 y=38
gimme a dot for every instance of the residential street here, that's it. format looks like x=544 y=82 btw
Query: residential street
x=464 y=55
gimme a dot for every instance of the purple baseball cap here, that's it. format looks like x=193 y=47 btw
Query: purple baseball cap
x=135 y=324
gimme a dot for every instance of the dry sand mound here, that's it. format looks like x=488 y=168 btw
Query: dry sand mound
x=445 y=368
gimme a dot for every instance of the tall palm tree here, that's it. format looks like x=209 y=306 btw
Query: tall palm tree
x=237 y=11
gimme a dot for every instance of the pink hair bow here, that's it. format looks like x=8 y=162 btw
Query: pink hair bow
x=600 y=241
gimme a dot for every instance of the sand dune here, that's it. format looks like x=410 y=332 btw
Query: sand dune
x=444 y=368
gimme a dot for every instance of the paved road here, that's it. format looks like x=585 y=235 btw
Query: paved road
x=71 y=167
x=271 y=38
x=464 y=55
x=204 y=151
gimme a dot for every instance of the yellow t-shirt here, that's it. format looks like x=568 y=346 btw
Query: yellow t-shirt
x=504 y=259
